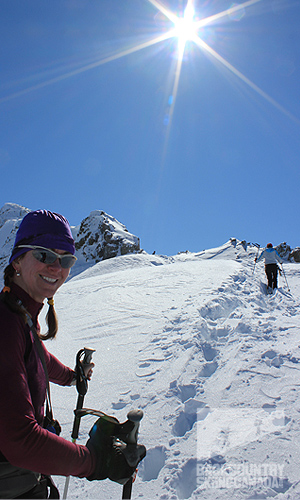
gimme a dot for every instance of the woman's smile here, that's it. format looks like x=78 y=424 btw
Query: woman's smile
x=39 y=280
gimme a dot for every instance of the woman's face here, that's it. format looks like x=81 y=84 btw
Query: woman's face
x=39 y=280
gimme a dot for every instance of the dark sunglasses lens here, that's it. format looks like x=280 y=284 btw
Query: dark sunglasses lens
x=48 y=257
x=67 y=261
x=44 y=256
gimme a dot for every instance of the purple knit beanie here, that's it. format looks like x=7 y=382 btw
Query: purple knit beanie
x=45 y=229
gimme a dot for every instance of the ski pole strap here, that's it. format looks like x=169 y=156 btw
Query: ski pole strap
x=81 y=380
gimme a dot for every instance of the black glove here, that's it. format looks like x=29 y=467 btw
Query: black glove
x=115 y=458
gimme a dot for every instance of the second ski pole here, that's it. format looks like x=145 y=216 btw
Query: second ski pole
x=257 y=245
x=83 y=357
x=134 y=416
x=285 y=278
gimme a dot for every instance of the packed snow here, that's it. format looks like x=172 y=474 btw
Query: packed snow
x=194 y=341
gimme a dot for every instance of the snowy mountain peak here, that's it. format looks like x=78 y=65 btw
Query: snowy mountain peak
x=99 y=236
x=11 y=215
x=11 y=211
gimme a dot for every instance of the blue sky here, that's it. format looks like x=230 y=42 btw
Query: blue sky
x=90 y=121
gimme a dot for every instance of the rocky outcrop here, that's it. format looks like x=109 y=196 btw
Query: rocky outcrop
x=101 y=237
x=295 y=255
x=284 y=250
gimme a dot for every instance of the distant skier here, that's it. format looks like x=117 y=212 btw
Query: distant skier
x=271 y=258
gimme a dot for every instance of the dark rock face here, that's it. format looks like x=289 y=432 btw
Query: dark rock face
x=101 y=237
x=295 y=254
x=284 y=250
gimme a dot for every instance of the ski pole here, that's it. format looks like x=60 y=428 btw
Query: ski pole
x=82 y=386
x=257 y=245
x=285 y=278
x=134 y=416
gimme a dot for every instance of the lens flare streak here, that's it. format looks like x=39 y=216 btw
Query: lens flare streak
x=228 y=12
x=168 y=13
x=242 y=77
x=88 y=67
x=185 y=29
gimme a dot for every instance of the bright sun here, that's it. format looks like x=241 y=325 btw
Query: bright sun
x=186 y=27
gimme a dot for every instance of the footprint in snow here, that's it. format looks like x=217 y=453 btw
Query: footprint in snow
x=269 y=408
x=272 y=358
x=154 y=461
x=134 y=397
x=209 y=352
x=120 y=405
x=208 y=369
x=187 y=392
x=186 y=419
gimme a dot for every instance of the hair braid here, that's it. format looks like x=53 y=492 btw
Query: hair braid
x=6 y=295
x=51 y=319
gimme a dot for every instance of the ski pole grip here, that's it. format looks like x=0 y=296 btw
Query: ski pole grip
x=81 y=382
x=81 y=385
x=134 y=416
x=88 y=353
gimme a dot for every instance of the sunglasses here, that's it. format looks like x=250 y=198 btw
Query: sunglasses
x=47 y=256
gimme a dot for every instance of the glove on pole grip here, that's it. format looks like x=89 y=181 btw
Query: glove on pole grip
x=81 y=385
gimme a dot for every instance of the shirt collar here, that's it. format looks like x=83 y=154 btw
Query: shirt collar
x=28 y=302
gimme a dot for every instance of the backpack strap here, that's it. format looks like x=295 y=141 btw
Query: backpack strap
x=38 y=343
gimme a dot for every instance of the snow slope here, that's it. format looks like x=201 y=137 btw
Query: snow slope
x=213 y=362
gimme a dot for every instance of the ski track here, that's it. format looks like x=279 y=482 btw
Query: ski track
x=197 y=345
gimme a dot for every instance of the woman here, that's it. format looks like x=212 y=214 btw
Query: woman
x=34 y=274
x=40 y=262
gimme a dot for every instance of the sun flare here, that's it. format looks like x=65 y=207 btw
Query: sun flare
x=186 y=27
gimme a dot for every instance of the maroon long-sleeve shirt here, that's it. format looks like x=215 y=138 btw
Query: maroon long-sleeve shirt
x=23 y=441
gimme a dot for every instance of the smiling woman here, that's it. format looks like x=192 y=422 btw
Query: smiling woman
x=38 y=270
x=38 y=279
x=30 y=445
x=35 y=272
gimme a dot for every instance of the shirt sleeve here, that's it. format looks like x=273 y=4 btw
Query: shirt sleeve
x=57 y=371
x=23 y=442
x=261 y=256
